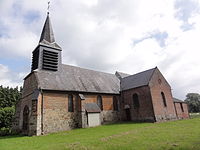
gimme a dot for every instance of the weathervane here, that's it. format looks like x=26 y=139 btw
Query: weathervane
x=48 y=7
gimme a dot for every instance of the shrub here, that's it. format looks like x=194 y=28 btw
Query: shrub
x=6 y=116
x=5 y=131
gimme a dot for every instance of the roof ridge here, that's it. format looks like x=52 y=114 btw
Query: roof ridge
x=141 y=72
x=123 y=72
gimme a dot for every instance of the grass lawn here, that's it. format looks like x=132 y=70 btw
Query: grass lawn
x=173 y=135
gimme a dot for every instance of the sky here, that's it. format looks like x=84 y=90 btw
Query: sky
x=106 y=35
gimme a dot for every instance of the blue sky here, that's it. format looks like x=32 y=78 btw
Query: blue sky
x=106 y=35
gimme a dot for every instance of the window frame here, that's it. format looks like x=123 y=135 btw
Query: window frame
x=136 y=102
x=100 y=101
x=164 y=99
x=181 y=104
x=70 y=103
x=115 y=103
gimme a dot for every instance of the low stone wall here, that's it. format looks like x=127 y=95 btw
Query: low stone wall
x=58 y=120
x=160 y=118
x=109 y=116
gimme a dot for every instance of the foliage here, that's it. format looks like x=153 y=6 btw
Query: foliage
x=9 y=96
x=6 y=116
x=193 y=101
x=172 y=135
x=5 y=131
x=8 y=99
x=194 y=115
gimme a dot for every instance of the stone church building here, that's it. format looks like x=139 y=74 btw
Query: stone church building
x=58 y=97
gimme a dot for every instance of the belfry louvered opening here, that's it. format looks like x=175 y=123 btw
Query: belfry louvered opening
x=50 y=60
x=35 y=59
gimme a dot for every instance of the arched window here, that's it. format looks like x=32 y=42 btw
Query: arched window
x=99 y=102
x=163 y=98
x=115 y=103
x=136 y=103
x=70 y=103
x=25 y=117
x=182 y=107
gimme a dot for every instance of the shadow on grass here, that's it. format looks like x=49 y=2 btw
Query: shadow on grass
x=126 y=122
x=12 y=136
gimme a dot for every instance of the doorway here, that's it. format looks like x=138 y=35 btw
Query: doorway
x=94 y=119
x=128 y=114
x=25 y=118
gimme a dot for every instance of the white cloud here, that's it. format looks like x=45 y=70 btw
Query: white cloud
x=9 y=78
x=100 y=34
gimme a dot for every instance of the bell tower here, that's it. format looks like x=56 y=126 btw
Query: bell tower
x=47 y=55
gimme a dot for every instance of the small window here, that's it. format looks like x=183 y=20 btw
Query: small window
x=115 y=103
x=182 y=107
x=136 y=103
x=70 y=103
x=163 y=98
x=99 y=102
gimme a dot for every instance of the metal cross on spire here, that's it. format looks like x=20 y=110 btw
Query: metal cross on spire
x=48 y=7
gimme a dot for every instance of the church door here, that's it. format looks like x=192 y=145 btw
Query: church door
x=25 y=118
x=128 y=114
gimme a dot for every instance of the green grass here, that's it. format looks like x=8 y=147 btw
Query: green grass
x=173 y=135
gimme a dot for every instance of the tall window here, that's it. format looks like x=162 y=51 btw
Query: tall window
x=182 y=107
x=136 y=103
x=70 y=103
x=163 y=98
x=115 y=103
x=99 y=102
x=25 y=117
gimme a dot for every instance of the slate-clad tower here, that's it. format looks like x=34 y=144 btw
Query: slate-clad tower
x=47 y=55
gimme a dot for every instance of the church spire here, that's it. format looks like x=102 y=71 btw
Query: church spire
x=47 y=32
x=47 y=55
x=47 y=36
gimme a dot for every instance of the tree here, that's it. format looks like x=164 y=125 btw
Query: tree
x=9 y=96
x=193 y=101
x=8 y=99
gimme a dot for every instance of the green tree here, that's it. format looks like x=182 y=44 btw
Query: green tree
x=8 y=99
x=9 y=96
x=6 y=116
x=193 y=101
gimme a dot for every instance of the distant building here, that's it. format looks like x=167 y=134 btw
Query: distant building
x=59 y=97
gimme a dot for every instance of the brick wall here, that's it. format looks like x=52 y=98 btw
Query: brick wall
x=145 y=111
x=157 y=85
x=107 y=114
x=182 y=114
x=107 y=100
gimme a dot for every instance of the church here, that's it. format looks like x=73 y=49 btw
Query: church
x=58 y=97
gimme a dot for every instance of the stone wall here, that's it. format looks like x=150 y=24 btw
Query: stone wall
x=29 y=87
x=55 y=114
x=145 y=110
x=157 y=85
x=16 y=119
x=109 y=116
x=182 y=114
